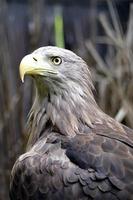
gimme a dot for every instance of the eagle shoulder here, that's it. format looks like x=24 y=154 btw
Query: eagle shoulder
x=86 y=167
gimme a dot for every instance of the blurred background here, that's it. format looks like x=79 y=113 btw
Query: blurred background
x=100 y=31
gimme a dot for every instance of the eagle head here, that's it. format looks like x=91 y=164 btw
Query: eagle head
x=64 y=88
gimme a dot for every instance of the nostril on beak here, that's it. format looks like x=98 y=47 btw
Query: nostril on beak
x=34 y=59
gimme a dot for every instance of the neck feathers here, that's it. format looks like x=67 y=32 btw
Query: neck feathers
x=66 y=112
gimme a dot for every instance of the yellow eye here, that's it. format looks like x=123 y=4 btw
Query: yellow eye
x=56 y=60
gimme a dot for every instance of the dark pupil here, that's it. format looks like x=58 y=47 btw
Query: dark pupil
x=56 y=60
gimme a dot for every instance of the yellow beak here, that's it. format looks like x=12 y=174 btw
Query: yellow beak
x=34 y=65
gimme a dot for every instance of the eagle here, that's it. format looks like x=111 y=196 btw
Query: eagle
x=75 y=150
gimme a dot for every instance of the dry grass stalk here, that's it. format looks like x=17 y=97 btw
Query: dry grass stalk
x=115 y=75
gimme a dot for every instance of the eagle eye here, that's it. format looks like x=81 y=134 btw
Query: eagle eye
x=56 y=60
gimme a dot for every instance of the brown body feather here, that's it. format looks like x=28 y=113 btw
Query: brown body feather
x=75 y=151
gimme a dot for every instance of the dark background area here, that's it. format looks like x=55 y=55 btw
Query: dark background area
x=89 y=30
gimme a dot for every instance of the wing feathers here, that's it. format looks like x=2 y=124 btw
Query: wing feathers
x=86 y=167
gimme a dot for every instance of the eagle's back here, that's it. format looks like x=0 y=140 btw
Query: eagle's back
x=93 y=165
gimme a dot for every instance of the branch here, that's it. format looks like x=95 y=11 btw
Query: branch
x=129 y=35
x=98 y=58
x=115 y=19
x=109 y=30
x=121 y=114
